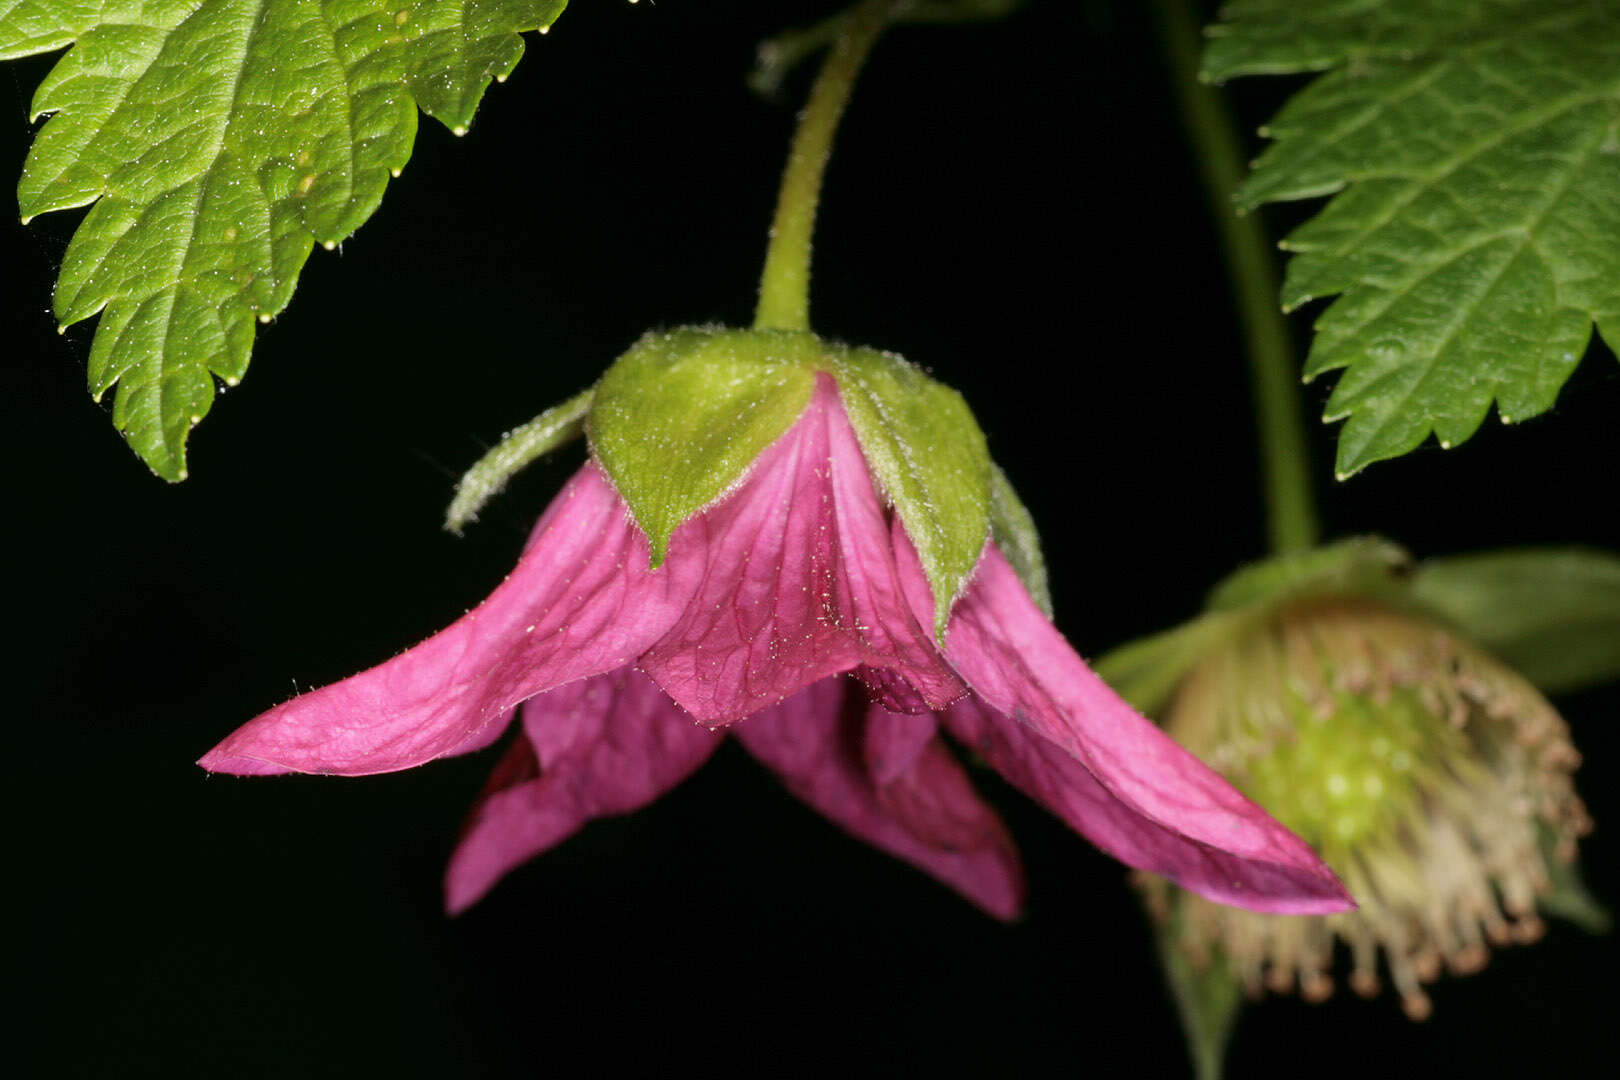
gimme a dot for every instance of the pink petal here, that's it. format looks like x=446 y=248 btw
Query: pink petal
x=812 y=741
x=601 y=746
x=580 y=601
x=1054 y=729
x=893 y=741
x=891 y=690
x=924 y=787
x=488 y=735
x=799 y=582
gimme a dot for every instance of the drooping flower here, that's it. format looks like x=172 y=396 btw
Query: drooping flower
x=1339 y=690
x=796 y=610
x=613 y=743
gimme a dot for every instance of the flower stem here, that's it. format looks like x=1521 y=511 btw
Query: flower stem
x=784 y=286
x=1273 y=368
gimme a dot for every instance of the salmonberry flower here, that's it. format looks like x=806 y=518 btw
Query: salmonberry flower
x=800 y=544
x=1343 y=690
x=1435 y=779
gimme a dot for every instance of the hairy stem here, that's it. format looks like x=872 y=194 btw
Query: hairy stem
x=1273 y=367
x=784 y=286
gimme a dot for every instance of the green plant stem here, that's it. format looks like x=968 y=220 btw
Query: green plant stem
x=1273 y=368
x=782 y=53
x=784 y=286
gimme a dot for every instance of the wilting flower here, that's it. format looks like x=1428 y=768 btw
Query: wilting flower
x=1434 y=779
x=793 y=611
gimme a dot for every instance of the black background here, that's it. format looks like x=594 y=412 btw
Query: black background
x=1012 y=206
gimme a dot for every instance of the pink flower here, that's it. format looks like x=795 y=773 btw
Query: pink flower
x=793 y=612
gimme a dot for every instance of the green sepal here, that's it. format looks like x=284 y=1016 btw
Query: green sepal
x=678 y=420
x=922 y=443
x=1145 y=672
x=1361 y=564
x=1208 y=999
x=1567 y=896
x=1013 y=529
x=1551 y=613
x=556 y=427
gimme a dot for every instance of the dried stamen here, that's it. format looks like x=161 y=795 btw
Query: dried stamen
x=1426 y=773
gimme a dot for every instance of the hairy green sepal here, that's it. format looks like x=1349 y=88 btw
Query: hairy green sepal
x=1361 y=564
x=1013 y=529
x=1552 y=614
x=1567 y=896
x=1473 y=152
x=556 y=427
x=219 y=140
x=1145 y=672
x=677 y=421
x=1208 y=999
x=680 y=418
x=926 y=449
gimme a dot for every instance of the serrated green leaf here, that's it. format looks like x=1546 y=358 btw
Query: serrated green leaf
x=218 y=141
x=1208 y=999
x=680 y=417
x=1013 y=529
x=1551 y=613
x=926 y=449
x=556 y=427
x=1473 y=148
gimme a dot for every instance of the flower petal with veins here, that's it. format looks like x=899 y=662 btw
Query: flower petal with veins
x=581 y=601
x=795 y=609
x=812 y=741
x=1047 y=723
x=798 y=582
x=601 y=746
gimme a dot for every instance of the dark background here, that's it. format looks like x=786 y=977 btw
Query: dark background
x=1012 y=206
